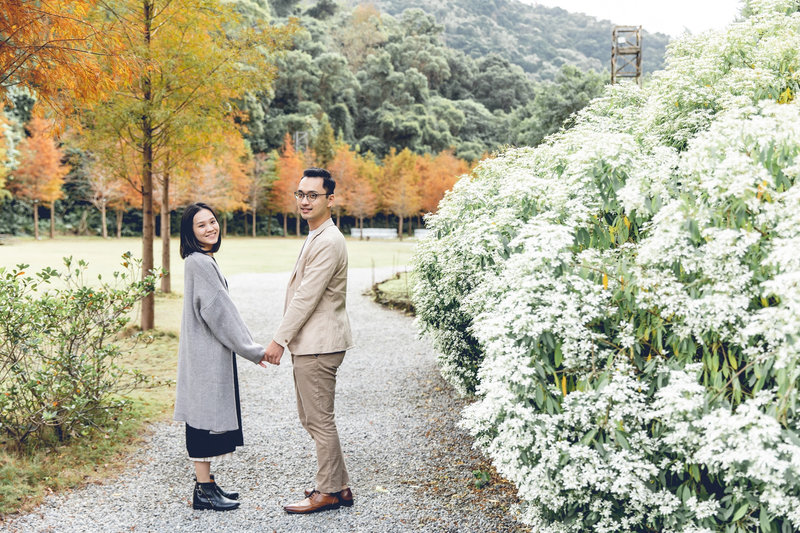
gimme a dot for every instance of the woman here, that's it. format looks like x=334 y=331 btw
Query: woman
x=207 y=392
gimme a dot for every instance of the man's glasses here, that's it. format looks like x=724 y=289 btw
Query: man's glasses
x=311 y=195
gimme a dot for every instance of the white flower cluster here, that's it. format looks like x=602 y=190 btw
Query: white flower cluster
x=624 y=299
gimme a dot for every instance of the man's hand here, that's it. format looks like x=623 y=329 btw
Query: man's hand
x=264 y=360
x=273 y=353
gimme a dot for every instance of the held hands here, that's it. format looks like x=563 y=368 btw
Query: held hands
x=272 y=354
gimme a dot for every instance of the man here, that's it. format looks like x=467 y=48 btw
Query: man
x=316 y=330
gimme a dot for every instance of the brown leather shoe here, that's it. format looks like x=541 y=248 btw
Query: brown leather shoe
x=345 y=496
x=317 y=501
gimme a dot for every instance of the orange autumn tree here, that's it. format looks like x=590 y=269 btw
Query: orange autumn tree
x=55 y=47
x=40 y=173
x=437 y=176
x=238 y=172
x=194 y=60
x=400 y=191
x=121 y=162
x=221 y=182
x=288 y=168
x=358 y=197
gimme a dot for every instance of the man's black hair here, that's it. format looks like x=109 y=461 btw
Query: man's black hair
x=328 y=183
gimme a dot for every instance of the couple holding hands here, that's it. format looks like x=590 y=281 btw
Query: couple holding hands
x=315 y=329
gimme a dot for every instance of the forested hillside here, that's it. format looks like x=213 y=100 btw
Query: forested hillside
x=391 y=81
x=539 y=39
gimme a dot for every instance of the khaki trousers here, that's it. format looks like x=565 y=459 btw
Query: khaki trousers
x=315 y=386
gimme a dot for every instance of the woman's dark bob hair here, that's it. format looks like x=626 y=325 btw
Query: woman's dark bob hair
x=189 y=242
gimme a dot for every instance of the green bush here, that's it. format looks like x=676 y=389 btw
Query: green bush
x=59 y=346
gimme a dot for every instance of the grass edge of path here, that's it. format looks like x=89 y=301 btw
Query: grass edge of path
x=27 y=477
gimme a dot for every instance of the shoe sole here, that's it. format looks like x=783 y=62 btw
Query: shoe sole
x=210 y=508
x=323 y=508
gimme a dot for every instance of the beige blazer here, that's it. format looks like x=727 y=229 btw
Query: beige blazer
x=315 y=317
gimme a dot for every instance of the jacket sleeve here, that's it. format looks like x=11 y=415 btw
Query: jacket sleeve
x=225 y=322
x=320 y=268
x=218 y=311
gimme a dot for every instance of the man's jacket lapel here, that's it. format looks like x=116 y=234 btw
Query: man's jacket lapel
x=304 y=251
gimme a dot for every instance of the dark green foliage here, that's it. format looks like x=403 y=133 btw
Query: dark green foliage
x=554 y=104
x=284 y=8
x=537 y=38
x=323 y=9
x=20 y=106
x=406 y=88
x=324 y=143
x=499 y=84
x=14 y=216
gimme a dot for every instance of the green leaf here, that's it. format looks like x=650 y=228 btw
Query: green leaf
x=539 y=396
x=741 y=511
x=764 y=521
x=733 y=362
x=694 y=471
x=589 y=437
x=621 y=439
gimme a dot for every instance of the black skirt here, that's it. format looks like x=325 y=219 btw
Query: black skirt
x=201 y=443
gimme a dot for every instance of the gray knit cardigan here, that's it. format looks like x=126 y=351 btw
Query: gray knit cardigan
x=211 y=330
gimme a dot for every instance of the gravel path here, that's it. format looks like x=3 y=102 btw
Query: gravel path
x=410 y=467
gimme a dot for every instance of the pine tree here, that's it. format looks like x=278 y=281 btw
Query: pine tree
x=325 y=144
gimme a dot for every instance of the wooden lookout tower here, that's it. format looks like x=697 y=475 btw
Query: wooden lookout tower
x=626 y=53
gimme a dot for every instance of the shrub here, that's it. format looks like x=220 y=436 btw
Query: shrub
x=59 y=347
x=629 y=293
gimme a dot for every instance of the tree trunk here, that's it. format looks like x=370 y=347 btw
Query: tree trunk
x=361 y=222
x=254 y=223
x=297 y=224
x=339 y=218
x=285 y=228
x=166 y=281
x=103 y=228
x=245 y=223
x=400 y=227
x=224 y=225
x=148 y=302
x=52 y=221
x=36 y=220
x=119 y=223
x=83 y=226
x=269 y=223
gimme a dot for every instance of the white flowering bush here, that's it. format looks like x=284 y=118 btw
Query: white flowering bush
x=624 y=300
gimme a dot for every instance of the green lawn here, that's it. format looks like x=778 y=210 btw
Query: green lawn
x=237 y=255
x=394 y=293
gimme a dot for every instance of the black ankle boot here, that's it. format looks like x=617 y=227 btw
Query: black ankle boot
x=229 y=495
x=207 y=496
